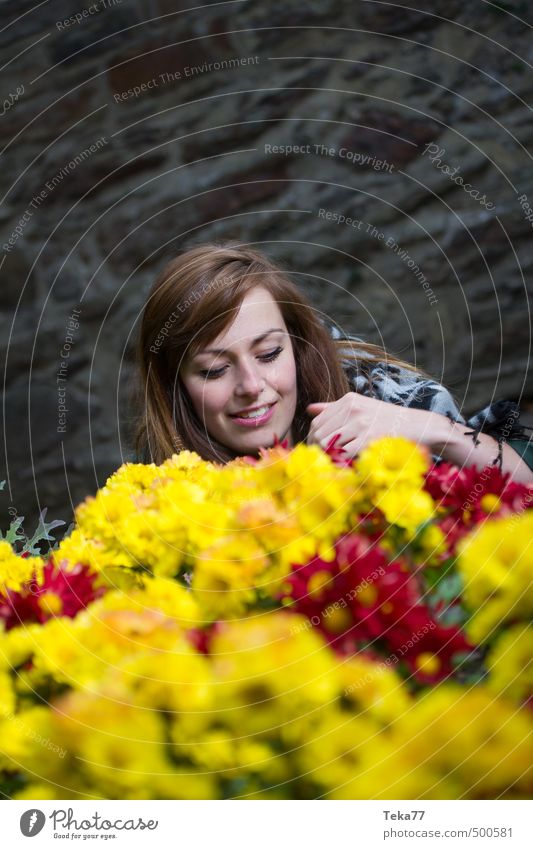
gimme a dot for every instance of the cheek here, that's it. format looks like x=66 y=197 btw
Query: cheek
x=287 y=377
x=204 y=396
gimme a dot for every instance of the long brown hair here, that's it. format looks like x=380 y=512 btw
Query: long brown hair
x=196 y=296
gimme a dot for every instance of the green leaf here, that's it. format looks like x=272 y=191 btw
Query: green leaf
x=13 y=535
x=66 y=534
x=470 y=666
x=42 y=534
x=454 y=615
x=449 y=588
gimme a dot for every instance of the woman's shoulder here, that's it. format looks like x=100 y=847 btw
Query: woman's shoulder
x=370 y=374
x=376 y=377
x=398 y=385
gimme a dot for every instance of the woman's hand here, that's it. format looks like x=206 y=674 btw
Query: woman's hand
x=360 y=420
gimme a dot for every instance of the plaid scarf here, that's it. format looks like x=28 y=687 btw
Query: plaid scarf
x=397 y=385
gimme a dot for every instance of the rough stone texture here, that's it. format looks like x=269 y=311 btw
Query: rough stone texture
x=185 y=162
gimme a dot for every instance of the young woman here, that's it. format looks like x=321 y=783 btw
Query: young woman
x=232 y=355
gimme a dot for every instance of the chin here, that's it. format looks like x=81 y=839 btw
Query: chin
x=254 y=442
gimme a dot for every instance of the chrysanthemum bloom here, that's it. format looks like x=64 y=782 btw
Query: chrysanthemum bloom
x=466 y=496
x=510 y=665
x=390 y=471
x=118 y=749
x=16 y=570
x=113 y=628
x=56 y=591
x=273 y=674
x=363 y=599
x=451 y=743
x=496 y=565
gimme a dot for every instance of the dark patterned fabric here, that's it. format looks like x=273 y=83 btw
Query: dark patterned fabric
x=397 y=385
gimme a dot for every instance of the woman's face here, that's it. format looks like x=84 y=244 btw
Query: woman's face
x=248 y=369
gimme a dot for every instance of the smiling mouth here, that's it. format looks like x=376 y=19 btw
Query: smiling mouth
x=253 y=414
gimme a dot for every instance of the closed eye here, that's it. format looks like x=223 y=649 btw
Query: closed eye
x=212 y=374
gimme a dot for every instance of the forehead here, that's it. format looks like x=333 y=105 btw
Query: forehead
x=257 y=314
x=258 y=302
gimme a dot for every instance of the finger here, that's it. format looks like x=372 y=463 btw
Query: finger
x=326 y=438
x=353 y=448
x=335 y=422
x=321 y=436
x=316 y=407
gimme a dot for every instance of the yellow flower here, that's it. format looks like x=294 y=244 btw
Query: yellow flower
x=510 y=664
x=216 y=750
x=81 y=650
x=319 y=493
x=114 y=748
x=496 y=564
x=273 y=673
x=226 y=576
x=41 y=790
x=29 y=743
x=18 y=644
x=331 y=754
x=390 y=472
x=452 y=743
x=257 y=758
x=492 y=738
x=15 y=570
x=134 y=476
x=390 y=461
x=432 y=541
x=81 y=548
x=7 y=695
x=275 y=530
x=188 y=520
x=386 y=772
x=177 y=681
x=159 y=596
x=187 y=464
x=375 y=688
x=150 y=549
x=119 y=748
x=314 y=501
x=406 y=507
x=180 y=782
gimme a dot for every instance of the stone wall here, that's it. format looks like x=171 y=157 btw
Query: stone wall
x=135 y=129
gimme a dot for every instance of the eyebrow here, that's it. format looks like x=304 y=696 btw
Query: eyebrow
x=254 y=342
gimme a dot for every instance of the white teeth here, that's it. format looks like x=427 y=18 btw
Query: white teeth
x=254 y=414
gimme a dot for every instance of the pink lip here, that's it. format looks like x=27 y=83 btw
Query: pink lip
x=255 y=422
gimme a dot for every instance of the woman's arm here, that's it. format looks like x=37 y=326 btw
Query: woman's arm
x=452 y=444
x=359 y=420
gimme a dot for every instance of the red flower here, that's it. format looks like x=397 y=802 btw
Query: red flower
x=265 y=452
x=467 y=496
x=360 y=600
x=59 y=593
x=338 y=455
x=463 y=488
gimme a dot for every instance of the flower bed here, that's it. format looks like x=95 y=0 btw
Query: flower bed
x=296 y=626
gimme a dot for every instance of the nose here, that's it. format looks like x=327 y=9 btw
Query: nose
x=249 y=379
